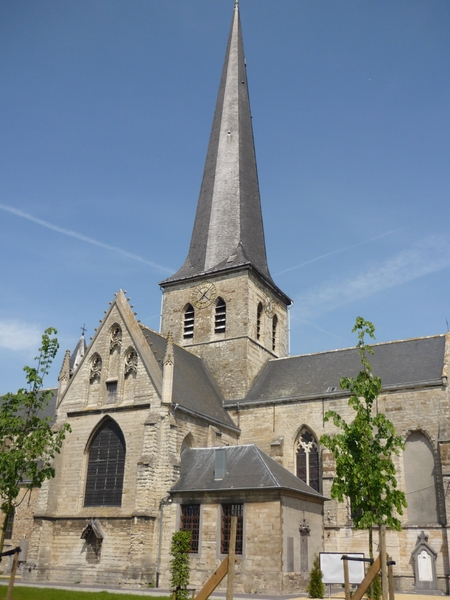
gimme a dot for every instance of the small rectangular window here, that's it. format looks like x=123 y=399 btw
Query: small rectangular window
x=228 y=511
x=9 y=524
x=190 y=521
x=111 y=389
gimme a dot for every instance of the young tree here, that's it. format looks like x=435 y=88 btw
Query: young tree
x=316 y=587
x=363 y=449
x=28 y=442
x=181 y=544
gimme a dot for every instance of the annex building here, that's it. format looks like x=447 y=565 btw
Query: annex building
x=210 y=418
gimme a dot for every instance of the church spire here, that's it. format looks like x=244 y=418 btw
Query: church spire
x=228 y=230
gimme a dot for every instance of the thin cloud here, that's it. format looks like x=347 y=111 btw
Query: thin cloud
x=429 y=255
x=16 y=335
x=81 y=237
x=308 y=262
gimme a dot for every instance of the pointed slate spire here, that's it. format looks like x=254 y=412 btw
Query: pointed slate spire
x=228 y=230
x=77 y=354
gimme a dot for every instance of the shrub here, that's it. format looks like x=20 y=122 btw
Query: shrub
x=181 y=544
x=316 y=587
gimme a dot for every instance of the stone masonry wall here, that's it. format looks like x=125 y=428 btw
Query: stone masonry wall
x=421 y=409
x=236 y=356
x=258 y=570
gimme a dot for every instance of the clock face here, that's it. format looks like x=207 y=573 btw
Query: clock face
x=203 y=295
x=269 y=306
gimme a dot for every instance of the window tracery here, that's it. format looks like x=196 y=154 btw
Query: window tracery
x=307 y=454
x=95 y=370
x=115 y=338
x=131 y=361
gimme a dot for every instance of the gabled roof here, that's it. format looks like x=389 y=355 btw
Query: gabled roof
x=228 y=230
x=120 y=304
x=402 y=363
x=193 y=388
x=247 y=468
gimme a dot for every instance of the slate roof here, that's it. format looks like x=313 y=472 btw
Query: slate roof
x=77 y=354
x=228 y=231
x=193 y=388
x=48 y=410
x=248 y=468
x=399 y=364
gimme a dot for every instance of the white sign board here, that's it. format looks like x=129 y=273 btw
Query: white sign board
x=332 y=567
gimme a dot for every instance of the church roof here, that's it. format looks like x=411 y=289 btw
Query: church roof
x=193 y=387
x=247 y=468
x=404 y=363
x=228 y=230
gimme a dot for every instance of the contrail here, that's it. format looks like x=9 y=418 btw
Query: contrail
x=337 y=251
x=429 y=255
x=81 y=237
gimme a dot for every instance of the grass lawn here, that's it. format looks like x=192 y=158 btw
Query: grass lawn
x=28 y=593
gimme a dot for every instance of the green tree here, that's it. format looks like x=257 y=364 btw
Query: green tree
x=181 y=545
x=364 y=449
x=28 y=442
x=316 y=587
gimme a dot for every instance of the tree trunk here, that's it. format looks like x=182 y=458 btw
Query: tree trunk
x=3 y=532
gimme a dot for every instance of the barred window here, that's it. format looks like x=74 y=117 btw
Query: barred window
x=190 y=521
x=9 y=524
x=188 y=331
x=221 y=316
x=258 y=320
x=106 y=466
x=228 y=511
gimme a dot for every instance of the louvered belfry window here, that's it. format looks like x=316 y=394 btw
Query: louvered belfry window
x=106 y=465
x=228 y=511
x=258 y=321
x=189 y=315
x=274 y=332
x=220 y=316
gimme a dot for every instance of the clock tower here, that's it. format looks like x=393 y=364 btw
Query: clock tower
x=223 y=303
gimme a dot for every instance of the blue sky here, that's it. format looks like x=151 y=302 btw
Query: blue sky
x=105 y=110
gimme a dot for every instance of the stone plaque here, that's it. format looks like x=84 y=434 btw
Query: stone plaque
x=424 y=566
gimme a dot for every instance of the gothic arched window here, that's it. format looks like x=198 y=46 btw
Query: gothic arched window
x=308 y=460
x=420 y=479
x=220 y=319
x=106 y=464
x=188 y=329
x=259 y=312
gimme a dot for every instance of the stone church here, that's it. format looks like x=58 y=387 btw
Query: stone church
x=210 y=417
